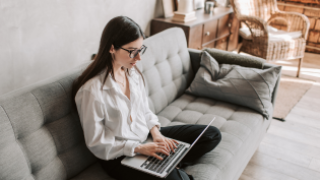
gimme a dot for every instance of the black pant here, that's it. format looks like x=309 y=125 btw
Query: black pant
x=186 y=133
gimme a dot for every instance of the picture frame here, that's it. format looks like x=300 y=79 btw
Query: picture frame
x=168 y=8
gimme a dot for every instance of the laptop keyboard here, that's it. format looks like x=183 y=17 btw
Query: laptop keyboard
x=156 y=165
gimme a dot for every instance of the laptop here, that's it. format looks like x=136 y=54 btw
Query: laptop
x=161 y=168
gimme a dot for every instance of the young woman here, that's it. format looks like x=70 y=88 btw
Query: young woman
x=114 y=112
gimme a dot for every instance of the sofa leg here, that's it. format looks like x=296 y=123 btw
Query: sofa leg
x=299 y=66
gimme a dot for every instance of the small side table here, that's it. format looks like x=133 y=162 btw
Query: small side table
x=218 y=30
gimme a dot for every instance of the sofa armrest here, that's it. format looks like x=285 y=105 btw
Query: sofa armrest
x=195 y=59
x=221 y=56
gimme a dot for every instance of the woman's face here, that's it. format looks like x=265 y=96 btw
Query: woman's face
x=122 y=56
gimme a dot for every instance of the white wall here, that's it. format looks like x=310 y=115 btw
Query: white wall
x=41 y=38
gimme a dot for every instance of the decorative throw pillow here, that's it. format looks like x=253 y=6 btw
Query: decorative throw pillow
x=249 y=87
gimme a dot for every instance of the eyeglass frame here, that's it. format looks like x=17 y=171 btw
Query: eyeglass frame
x=143 y=49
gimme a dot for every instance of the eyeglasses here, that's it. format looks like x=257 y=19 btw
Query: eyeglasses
x=134 y=53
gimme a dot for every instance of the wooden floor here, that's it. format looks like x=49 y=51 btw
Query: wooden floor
x=291 y=150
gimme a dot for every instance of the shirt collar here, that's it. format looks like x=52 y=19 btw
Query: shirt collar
x=110 y=82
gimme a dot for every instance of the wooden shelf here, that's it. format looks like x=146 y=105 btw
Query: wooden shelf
x=218 y=30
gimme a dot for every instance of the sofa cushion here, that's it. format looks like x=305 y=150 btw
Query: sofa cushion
x=166 y=67
x=249 y=87
x=240 y=127
x=94 y=172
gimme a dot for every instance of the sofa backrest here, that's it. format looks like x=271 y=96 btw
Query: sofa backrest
x=41 y=135
x=166 y=67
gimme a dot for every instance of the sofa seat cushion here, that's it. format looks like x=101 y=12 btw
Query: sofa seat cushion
x=238 y=125
x=94 y=171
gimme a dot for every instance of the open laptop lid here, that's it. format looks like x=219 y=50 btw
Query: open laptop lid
x=194 y=142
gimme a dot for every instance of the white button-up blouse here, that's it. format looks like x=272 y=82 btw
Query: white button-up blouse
x=104 y=112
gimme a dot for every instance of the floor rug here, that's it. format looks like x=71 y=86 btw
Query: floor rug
x=290 y=91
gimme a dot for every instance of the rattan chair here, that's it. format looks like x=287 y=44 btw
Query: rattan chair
x=257 y=14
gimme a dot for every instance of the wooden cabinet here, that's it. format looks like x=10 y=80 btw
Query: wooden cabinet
x=219 y=30
x=209 y=31
x=195 y=38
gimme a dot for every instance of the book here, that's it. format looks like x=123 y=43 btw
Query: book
x=189 y=14
x=184 y=17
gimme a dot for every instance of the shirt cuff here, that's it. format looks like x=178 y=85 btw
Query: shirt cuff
x=153 y=123
x=129 y=148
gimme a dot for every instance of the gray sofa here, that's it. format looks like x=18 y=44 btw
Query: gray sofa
x=41 y=135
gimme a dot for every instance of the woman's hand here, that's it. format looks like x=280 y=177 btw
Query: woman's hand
x=158 y=137
x=151 y=148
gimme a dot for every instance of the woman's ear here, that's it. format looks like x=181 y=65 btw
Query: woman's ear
x=112 y=49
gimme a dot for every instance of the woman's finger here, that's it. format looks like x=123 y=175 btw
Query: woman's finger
x=163 y=151
x=162 y=144
x=173 y=142
x=164 y=148
x=157 y=156
x=165 y=144
x=170 y=145
x=176 y=142
x=174 y=145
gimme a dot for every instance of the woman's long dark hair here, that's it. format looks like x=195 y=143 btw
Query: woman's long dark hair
x=119 y=31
